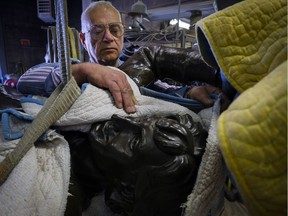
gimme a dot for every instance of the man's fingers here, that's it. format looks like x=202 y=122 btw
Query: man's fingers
x=212 y=89
x=123 y=94
x=129 y=100
x=115 y=90
x=200 y=93
x=112 y=79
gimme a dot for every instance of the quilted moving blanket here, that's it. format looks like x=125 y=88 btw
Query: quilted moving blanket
x=96 y=104
x=44 y=189
x=38 y=185
x=248 y=41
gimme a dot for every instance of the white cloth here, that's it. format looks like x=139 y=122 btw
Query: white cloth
x=96 y=104
x=207 y=196
x=38 y=185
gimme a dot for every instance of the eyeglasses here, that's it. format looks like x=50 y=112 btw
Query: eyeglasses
x=116 y=29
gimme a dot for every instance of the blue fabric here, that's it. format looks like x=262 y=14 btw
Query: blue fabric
x=39 y=82
x=227 y=88
x=180 y=92
x=35 y=88
x=49 y=86
x=7 y=128
x=191 y=104
x=83 y=87
x=30 y=99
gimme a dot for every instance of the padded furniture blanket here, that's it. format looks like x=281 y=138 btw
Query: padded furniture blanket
x=247 y=40
x=49 y=172
x=38 y=185
x=96 y=104
x=249 y=43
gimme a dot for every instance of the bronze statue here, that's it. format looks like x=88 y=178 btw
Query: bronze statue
x=150 y=164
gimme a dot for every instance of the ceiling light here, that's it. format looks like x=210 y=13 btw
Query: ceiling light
x=138 y=8
x=181 y=23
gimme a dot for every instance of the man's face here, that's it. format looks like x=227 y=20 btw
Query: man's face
x=106 y=49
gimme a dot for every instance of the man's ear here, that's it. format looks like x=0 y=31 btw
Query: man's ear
x=82 y=39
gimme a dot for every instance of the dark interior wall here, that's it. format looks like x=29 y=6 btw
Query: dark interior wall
x=74 y=13
x=23 y=37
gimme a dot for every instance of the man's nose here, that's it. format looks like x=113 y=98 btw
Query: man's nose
x=107 y=36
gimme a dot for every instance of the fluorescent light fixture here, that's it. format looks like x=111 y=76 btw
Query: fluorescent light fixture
x=181 y=23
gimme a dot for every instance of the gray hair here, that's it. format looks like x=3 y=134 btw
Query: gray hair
x=92 y=6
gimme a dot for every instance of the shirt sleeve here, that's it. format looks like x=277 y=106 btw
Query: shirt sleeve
x=40 y=80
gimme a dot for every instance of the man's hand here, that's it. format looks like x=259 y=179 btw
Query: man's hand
x=203 y=92
x=109 y=78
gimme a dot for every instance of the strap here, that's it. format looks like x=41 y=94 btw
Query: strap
x=56 y=105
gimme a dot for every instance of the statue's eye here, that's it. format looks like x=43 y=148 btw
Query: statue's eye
x=110 y=130
x=135 y=142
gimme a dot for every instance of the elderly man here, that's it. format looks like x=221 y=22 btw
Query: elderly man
x=102 y=37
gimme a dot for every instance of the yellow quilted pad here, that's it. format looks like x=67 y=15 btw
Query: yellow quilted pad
x=246 y=40
x=253 y=141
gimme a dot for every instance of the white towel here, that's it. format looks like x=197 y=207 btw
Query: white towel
x=38 y=185
x=96 y=104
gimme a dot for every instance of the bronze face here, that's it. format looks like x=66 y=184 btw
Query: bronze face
x=149 y=163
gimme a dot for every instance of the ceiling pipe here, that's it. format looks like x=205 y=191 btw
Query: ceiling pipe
x=171 y=12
